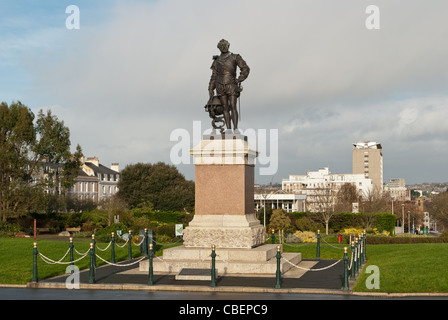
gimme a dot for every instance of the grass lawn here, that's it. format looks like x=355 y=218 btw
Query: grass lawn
x=408 y=267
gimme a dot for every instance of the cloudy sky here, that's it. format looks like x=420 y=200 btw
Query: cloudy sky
x=135 y=71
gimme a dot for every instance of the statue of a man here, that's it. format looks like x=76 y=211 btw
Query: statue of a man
x=226 y=83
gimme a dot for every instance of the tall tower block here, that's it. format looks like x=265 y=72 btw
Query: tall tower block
x=368 y=160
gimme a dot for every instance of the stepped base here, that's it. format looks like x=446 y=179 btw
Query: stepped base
x=259 y=260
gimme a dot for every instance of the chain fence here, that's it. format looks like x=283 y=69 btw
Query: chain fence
x=147 y=245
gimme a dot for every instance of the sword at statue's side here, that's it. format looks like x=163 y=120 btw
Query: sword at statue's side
x=239 y=100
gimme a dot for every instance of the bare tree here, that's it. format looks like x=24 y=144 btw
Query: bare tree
x=322 y=201
x=345 y=197
x=115 y=206
x=372 y=202
x=439 y=209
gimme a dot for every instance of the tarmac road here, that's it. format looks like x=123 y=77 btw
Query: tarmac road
x=83 y=294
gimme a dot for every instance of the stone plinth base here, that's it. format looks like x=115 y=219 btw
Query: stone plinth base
x=224 y=231
x=259 y=260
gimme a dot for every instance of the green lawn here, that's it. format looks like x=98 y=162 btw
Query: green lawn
x=408 y=267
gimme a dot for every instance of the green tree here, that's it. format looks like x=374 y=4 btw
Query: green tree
x=159 y=184
x=34 y=158
x=279 y=219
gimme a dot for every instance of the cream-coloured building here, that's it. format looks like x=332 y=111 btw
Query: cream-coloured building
x=95 y=181
x=397 y=190
x=367 y=159
x=322 y=186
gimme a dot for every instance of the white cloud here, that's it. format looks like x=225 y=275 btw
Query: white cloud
x=317 y=74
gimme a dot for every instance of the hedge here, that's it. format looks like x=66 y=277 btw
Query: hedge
x=340 y=221
x=404 y=240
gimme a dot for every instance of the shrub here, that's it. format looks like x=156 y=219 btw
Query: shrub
x=404 y=240
x=352 y=231
x=104 y=234
x=279 y=220
x=385 y=221
x=305 y=224
x=306 y=236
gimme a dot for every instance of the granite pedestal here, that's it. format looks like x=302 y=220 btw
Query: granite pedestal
x=224 y=214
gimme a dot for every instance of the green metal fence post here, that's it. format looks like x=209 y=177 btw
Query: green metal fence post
x=365 y=243
x=35 y=253
x=213 y=271
x=346 y=285
x=273 y=236
x=151 y=273
x=361 y=242
x=357 y=255
x=93 y=247
x=130 y=245
x=318 y=245
x=71 y=246
x=278 y=274
x=352 y=270
x=112 y=253
x=92 y=264
x=146 y=243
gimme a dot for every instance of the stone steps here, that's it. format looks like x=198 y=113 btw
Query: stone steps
x=260 y=260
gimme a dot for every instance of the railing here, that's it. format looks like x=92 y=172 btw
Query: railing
x=93 y=255
x=352 y=267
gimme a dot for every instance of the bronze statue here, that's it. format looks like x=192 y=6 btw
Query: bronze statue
x=223 y=107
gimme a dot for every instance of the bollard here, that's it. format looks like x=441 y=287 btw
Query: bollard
x=35 y=253
x=213 y=271
x=361 y=243
x=92 y=264
x=273 y=236
x=130 y=245
x=359 y=255
x=352 y=270
x=151 y=275
x=145 y=242
x=94 y=244
x=318 y=245
x=278 y=274
x=346 y=286
x=112 y=250
x=71 y=246
x=365 y=242
x=356 y=256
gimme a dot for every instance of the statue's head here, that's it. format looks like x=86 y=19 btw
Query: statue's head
x=223 y=46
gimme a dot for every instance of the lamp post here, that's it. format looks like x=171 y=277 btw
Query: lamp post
x=266 y=196
x=392 y=198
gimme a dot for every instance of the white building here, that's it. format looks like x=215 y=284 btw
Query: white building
x=290 y=202
x=322 y=186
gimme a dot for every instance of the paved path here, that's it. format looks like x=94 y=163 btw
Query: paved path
x=329 y=279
